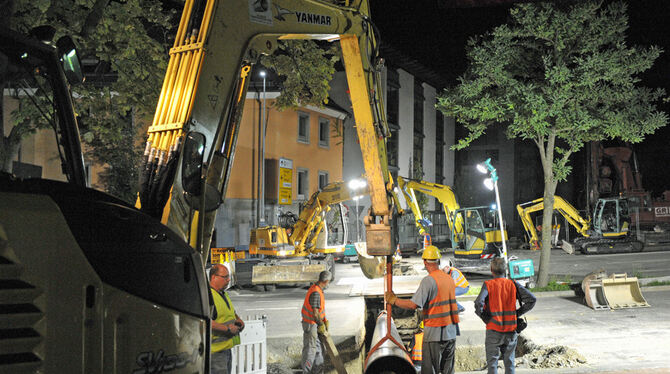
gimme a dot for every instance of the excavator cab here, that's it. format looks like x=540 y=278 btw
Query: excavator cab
x=611 y=217
x=473 y=235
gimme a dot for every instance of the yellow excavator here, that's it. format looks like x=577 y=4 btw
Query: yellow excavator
x=291 y=252
x=474 y=242
x=136 y=298
x=608 y=232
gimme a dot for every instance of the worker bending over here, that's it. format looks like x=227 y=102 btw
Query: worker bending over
x=436 y=296
x=314 y=322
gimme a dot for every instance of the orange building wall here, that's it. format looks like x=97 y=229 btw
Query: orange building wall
x=282 y=141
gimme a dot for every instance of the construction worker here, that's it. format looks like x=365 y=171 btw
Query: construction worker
x=462 y=284
x=314 y=322
x=416 y=346
x=496 y=306
x=436 y=296
x=226 y=324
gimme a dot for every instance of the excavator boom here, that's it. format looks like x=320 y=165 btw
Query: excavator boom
x=204 y=90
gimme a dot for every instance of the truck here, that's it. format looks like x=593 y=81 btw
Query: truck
x=474 y=242
x=298 y=251
x=92 y=283
x=607 y=232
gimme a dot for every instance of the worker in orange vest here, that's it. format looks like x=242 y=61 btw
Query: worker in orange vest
x=462 y=284
x=416 y=346
x=436 y=295
x=314 y=322
x=496 y=306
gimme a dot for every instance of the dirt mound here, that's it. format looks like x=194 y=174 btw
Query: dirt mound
x=533 y=356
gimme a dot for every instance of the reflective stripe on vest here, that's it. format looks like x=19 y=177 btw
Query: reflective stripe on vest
x=223 y=314
x=501 y=304
x=459 y=279
x=442 y=310
x=308 y=312
x=417 y=354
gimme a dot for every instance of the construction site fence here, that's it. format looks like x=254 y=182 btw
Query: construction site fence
x=251 y=356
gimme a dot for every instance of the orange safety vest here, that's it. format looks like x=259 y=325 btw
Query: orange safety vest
x=442 y=310
x=417 y=354
x=501 y=304
x=308 y=311
x=460 y=278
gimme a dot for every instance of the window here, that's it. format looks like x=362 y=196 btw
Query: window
x=324 y=132
x=303 y=183
x=303 y=127
x=439 y=147
x=323 y=179
x=392 y=96
x=393 y=103
x=417 y=166
x=492 y=154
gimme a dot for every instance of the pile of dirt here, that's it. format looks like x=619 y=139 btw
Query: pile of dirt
x=470 y=358
x=551 y=357
x=404 y=268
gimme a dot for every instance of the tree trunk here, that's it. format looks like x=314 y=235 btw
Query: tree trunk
x=547 y=156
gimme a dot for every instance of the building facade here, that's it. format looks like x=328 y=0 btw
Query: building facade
x=302 y=153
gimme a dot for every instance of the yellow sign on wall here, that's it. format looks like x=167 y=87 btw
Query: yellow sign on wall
x=285 y=190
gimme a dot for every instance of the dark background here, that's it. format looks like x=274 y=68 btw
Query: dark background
x=435 y=33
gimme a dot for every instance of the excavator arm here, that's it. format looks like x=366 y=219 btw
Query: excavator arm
x=204 y=89
x=311 y=219
x=444 y=195
x=560 y=205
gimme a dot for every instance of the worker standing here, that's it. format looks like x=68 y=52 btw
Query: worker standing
x=314 y=322
x=496 y=306
x=436 y=296
x=226 y=324
x=462 y=284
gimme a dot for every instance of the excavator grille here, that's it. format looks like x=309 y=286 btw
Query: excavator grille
x=19 y=315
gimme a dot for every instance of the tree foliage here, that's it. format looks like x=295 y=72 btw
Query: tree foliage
x=306 y=69
x=561 y=75
x=127 y=39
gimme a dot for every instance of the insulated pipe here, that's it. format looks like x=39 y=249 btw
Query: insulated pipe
x=387 y=357
x=387 y=354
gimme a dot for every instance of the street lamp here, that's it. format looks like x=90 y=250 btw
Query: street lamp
x=262 y=124
x=492 y=184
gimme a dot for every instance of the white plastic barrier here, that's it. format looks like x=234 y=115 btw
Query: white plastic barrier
x=250 y=357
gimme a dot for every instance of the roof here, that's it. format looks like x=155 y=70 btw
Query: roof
x=395 y=58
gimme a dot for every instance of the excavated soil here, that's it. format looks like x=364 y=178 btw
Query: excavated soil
x=532 y=356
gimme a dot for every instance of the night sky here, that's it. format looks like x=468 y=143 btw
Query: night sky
x=437 y=36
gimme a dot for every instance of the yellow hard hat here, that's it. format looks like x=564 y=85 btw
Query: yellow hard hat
x=431 y=253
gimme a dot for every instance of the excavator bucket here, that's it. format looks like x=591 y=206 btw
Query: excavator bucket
x=371 y=266
x=622 y=291
x=593 y=293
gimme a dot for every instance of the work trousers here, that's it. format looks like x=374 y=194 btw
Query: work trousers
x=312 y=351
x=221 y=362
x=461 y=291
x=497 y=343
x=438 y=357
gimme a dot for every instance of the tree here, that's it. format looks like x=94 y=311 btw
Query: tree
x=306 y=69
x=128 y=40
x=561 y=75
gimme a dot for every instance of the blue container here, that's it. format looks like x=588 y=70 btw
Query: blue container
x=519 y=269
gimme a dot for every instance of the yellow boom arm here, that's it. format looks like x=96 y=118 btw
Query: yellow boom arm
x=205 y=86
x=560 y=205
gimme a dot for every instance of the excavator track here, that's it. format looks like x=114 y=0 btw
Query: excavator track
x=604 y=246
